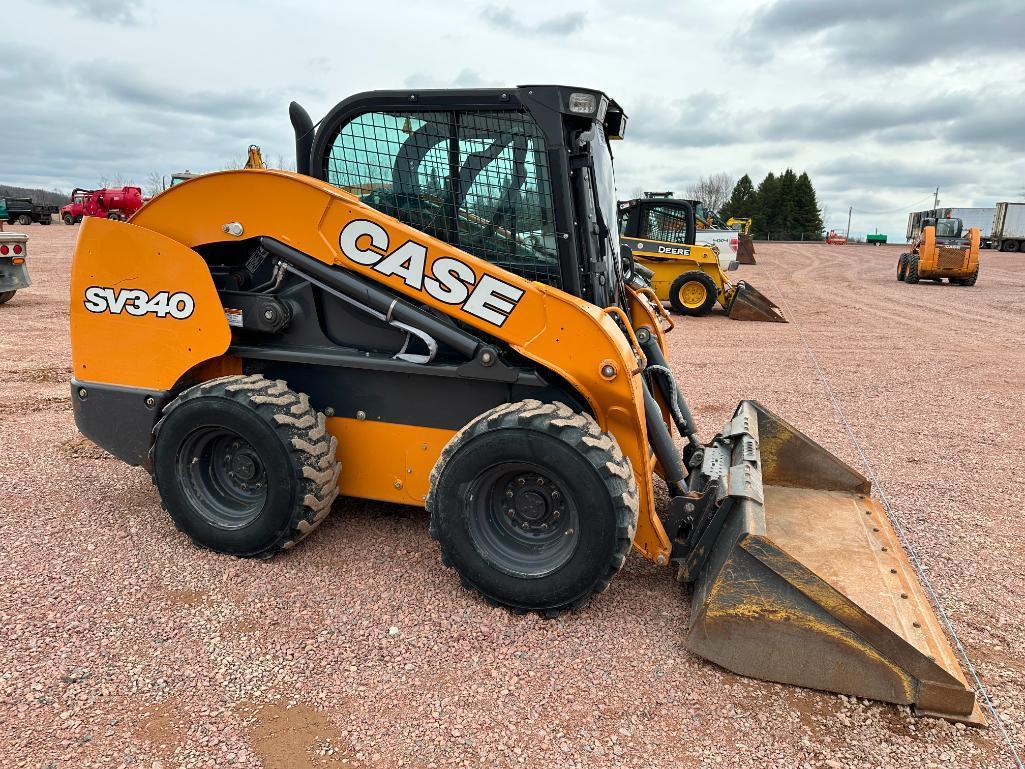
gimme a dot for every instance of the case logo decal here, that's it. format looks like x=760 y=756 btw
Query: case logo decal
x=449 y=280
x=137 y=302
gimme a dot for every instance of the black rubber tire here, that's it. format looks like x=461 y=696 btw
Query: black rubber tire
x=24 y=220
x=912 y=273
x=902 y=267
x=588 y=464
x=693 y=276
x=6 y=296
x=114 y=217
x=289 y=439
x=1010 y=245
x=68 y=219
x=969 y=281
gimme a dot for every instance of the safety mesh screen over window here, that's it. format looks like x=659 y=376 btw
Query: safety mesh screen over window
x=477 y=180
x=666 y=223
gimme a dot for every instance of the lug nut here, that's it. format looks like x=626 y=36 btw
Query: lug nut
x=511 y=511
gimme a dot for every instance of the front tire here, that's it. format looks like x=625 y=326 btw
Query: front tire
x=693 y=293
x=6 y=296
x=244 y=465
x=912 y=272
x=902 y=267
x=534 y=506
x=68 y=219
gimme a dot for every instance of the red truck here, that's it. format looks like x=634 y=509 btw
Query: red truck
x=119 y=203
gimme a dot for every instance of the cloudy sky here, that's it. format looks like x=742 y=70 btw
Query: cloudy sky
x=881 y=101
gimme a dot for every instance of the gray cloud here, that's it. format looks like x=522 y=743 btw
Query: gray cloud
x=702 y=119
x=111 y=11
x=503 y=18
x=127 y=88
x=84 y=127
x=883 y=34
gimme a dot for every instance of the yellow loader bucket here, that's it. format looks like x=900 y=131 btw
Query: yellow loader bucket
x=807 y=583
x=748 y=303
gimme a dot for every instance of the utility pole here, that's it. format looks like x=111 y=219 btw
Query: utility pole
x=849 y=212
x=936 y=198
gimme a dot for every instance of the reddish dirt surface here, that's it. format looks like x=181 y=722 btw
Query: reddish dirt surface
x=123 y=645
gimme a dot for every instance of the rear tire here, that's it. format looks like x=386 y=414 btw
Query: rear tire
x=693 y=293
x=244 y=465
x=573 y=499
x=6 y=296
x=24 y=220
x=1010 y=245
x=902 y=267
x=912 y=272
x=969 y=281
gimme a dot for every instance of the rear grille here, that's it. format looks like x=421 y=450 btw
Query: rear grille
x=951 y=258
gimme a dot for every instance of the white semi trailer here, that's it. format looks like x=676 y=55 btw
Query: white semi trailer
x=970 y=217
x=1008 y=232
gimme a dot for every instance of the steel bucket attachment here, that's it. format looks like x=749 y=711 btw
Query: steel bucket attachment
x=803 y=580
x=745 y=249
x=748 y=303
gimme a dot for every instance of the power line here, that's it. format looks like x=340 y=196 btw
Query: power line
x=901 y=209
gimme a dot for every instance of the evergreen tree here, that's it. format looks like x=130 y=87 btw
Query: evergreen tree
x=786 y=205
x=807 y=216
x=766 y=214
x=742 y=201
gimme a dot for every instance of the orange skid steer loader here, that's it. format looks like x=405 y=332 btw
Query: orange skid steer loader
x=435 y=311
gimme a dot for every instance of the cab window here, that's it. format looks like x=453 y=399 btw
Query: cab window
x=667 y=223
x=477 y=180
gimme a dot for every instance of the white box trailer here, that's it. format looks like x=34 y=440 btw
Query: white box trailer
x=970 y=217
x=1009 y=227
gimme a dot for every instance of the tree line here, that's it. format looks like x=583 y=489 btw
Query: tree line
x=783 y=207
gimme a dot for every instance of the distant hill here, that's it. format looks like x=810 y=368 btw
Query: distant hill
x=52 y=197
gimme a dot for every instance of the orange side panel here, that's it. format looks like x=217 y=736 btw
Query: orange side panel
x=143 y=307
x=384 y=461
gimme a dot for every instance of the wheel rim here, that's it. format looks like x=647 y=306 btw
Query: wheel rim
x=521 y=520
x=223 y=477
x=693 y=294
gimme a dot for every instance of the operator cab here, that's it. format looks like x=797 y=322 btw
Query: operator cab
x=945 y=228
x=520 y=177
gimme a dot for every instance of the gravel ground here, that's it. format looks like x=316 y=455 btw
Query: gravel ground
x=122 y=645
